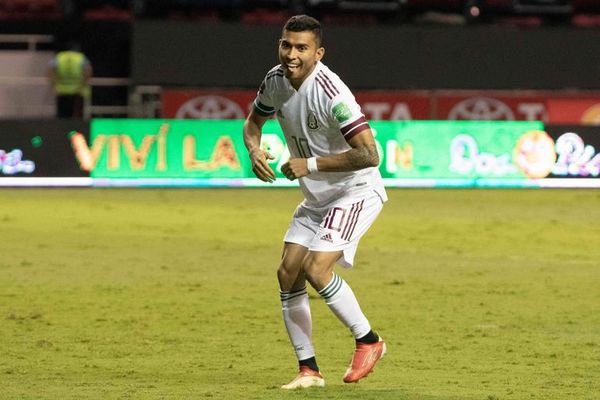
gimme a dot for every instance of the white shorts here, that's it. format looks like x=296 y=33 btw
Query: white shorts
x=339 y=226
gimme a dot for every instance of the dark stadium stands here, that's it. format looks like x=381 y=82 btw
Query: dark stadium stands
x=519 y=12
x=107 y=30
x=23 y=9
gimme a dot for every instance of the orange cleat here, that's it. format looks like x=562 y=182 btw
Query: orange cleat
x=365 y=357
x=306 y=378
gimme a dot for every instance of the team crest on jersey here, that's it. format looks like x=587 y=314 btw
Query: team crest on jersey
x=312 y=121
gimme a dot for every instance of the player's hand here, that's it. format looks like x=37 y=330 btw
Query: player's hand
x=295 y=168
x=260 y=165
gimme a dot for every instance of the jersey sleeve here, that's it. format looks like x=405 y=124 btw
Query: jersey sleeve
x=264 y=104
x=346 y=113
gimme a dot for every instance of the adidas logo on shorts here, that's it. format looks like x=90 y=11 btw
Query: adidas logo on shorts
x=327 y=237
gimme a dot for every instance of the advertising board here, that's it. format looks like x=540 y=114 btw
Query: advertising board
x=235 y=104
x=419 y=150
x=404 y=105
x=577 y=151
x=39 y=148
x=580 y=111
x=168 y=152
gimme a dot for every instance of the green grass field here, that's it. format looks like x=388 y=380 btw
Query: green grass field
x=172 y=294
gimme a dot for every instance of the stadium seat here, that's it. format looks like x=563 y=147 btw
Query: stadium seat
x=108 y=12
x=25 y=9
x=265 y=16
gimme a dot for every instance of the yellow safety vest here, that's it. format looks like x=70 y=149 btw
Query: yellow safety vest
x=69 y=74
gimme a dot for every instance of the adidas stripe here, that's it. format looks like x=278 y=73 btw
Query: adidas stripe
x=291 y=295
x=332 y=288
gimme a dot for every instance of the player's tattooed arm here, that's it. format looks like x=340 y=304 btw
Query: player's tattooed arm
x=363 y=156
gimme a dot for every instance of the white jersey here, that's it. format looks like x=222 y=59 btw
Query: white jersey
x=317 y=121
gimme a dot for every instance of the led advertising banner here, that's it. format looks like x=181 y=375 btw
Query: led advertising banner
x=147 y=148
x=458 y=150
x=121 y=152
x=577 y=151
x=38 y=148
x=455 y=152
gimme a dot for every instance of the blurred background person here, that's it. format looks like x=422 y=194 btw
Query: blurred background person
x=70 y=72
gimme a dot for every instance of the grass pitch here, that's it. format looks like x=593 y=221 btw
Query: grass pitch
x=172 y=294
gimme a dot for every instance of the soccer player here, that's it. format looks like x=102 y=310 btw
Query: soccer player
x=334 y=157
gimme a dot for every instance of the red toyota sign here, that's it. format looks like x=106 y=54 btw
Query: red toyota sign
x=554 y=107
x=491 y=106
x=206 y=104
x=398 y=105
x=574 y=111
x=235 y=104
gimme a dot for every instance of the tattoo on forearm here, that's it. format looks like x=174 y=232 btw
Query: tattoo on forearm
x=363 y=157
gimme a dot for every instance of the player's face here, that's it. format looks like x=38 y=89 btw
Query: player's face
x=298 y=54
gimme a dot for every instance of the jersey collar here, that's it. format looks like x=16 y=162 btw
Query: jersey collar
x=308 y=79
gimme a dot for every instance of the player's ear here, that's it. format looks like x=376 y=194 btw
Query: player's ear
x=320 y=53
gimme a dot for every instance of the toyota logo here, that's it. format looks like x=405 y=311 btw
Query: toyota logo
x=210 y=107
x=480 y=109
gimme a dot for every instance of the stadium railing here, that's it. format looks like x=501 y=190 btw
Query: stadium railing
x=39 y=84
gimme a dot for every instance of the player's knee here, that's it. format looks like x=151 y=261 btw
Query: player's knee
x=313 y=268
x=282 y=274
x=309 y=267
x=287 y=274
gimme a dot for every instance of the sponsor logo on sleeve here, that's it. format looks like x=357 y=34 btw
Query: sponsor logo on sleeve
x=342 y=112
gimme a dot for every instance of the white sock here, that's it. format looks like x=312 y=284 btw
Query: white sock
x=296 y=316
x=341 y=300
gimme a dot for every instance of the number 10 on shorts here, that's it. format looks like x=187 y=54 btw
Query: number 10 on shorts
x=343 y=220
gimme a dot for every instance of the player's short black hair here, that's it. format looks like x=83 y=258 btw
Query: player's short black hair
x=303 y=23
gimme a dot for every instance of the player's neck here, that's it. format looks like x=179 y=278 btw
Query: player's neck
x=297 y=83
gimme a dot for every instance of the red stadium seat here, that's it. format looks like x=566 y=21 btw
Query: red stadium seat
x=24 y=9
x=108 y=12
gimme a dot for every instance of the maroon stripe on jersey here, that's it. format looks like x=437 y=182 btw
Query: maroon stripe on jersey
x=328 y=91
x=328 y=82
x=355 y=220
x=356 y=130
x=350 y=130
x=346 y=129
